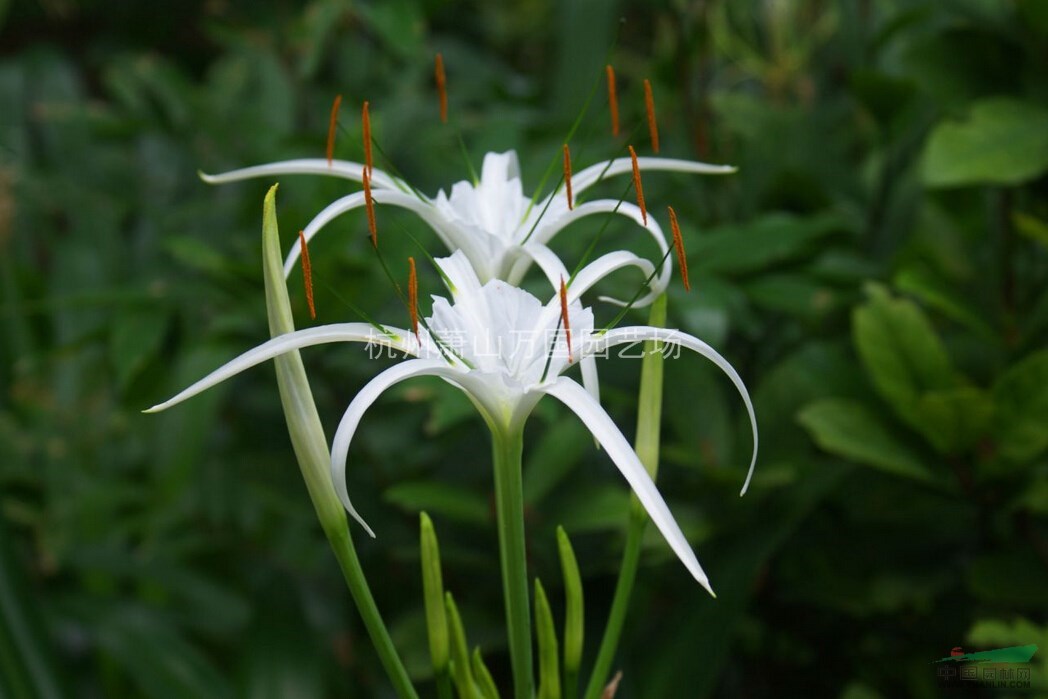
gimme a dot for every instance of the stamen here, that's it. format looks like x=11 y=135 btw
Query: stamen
x=678 y=243
x=370 y=207
x=567 y=176
x=365 y=119
x=649 y=105
x=442 y=88
x=637 y=186
x=332 y=127
x=413 y=298
x=564 y=316
x=613 y=100
x=307 y=274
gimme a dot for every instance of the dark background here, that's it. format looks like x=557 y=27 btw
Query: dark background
x=876 y=271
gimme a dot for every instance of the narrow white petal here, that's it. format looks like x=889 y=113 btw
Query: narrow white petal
x=345 y=169
x=592 y=273
x=619 y=336
x=355 y=201
x=347 y=427
x=631 y=211
x=338 y=332
x=545 y=258
x=604 y=265
x=622 y=454
x=588 y=177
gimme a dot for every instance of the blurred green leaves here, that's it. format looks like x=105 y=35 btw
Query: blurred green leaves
x=1000 y=141
x=876 y=271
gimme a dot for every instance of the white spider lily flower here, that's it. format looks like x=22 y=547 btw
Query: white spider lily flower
x=500 y=230
x=505 y=350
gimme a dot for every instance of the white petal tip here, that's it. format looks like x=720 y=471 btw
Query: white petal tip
x=210 y=179
x=710 y=590
x=155 y=409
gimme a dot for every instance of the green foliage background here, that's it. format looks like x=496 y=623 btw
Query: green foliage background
x=876 y=270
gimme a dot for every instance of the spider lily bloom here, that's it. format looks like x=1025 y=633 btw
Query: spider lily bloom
x=500 y=231
x=505 y=350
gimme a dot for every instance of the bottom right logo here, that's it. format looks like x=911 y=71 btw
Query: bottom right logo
x=1002 y=668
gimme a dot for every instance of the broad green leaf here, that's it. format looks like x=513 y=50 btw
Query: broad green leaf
x=938 y=295
x=796 y=294
x=770 y=240
x=1001 y=141
x=955 y=419
x=901 y=352
x=1021 y=397
x=848 y=429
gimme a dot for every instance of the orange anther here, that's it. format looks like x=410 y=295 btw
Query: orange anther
x=678 y=243
x=332 y=126
x=413 y=297
x=637 y=186
x=564 y=316
x=370 y=207
x=613 y=100
x=307 y=274
x=365 y=120
x=442 y=88
x=649 y=106
x=567 y=176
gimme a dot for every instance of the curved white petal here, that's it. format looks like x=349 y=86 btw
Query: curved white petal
x=593 y=416
x=594 y=272
x=345 y=169
x=338 y=332
x=541 y=255
x=589 y=176
x=618 y=336
x=604 y=265
x=355 y=201
x=631 y=211
x=347 y=427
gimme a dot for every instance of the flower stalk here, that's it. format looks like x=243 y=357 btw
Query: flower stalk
x=310 y=445
x=507 y=450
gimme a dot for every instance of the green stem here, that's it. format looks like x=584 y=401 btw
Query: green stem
x=346 y=554
x=507 y=447
x=649 y=420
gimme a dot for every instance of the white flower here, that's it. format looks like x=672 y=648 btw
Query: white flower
x=506 y=350
x=499 y=229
